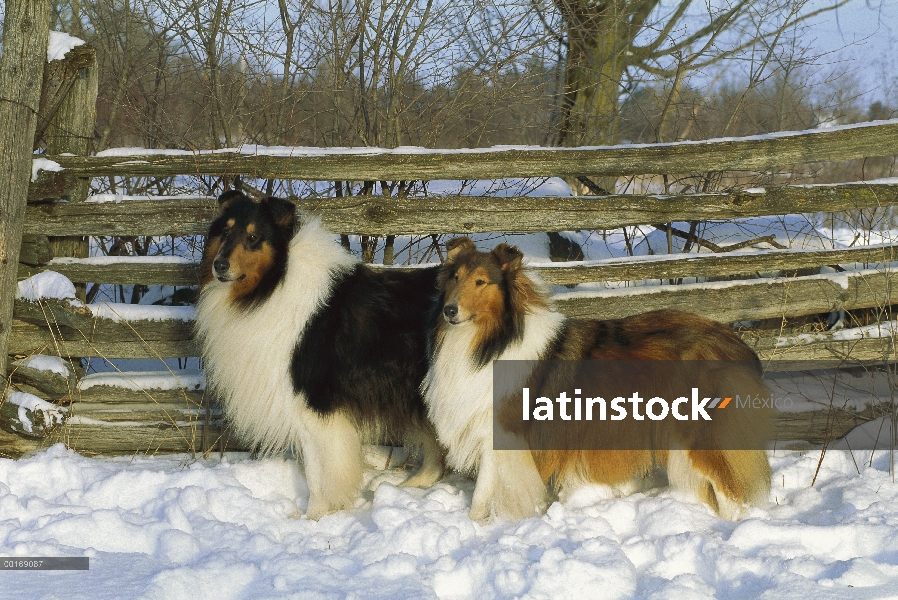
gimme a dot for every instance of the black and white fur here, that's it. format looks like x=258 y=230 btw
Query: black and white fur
x=330 y=357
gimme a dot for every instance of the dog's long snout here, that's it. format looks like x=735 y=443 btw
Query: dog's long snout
x=221 y=266
x=451 y=311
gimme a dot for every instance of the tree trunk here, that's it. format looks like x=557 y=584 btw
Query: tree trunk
x=597 y=37
x=593 y=75
x=26 y=30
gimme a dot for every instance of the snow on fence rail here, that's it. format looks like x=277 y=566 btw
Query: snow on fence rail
x=877 y=138
x=142 y=417
x=104 y=334
x=179 y=271
x=378 y=215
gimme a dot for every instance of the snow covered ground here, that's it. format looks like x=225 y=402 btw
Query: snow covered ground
x=168 y=527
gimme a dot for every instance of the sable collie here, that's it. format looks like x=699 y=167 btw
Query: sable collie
x=492 y=310
x=308 y=348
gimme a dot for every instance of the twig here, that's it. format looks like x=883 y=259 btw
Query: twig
x=698 y=241
x=769 y=239
x=592 y=186
x=682 y=234
x=249 y=190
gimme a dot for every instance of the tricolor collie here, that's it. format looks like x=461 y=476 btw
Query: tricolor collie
x=492 y=310
x=308 y=348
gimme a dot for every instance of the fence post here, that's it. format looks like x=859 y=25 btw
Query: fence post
x=26 y=30
x=71 y=130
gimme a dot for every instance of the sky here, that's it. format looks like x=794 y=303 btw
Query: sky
x=864 y=33
x=873 y=24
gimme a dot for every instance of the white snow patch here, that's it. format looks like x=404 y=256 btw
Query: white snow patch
x=28 y=404
x=840 y=279
x=292 y=151
x=849 y=236
x=43 y=164
x=501 y=188
x=790 y=231
x=48 y=284
x=877 y=330
x=59 y=45
x=139 y=312
x=660 y=258
x=190 y=379
x=80 y=420
x=822 y=387
x=873 y=434
x=117 y=260
x=171 y=527
x=879 y=181
x=885 y=329
x=43 y=362
x=119 y=198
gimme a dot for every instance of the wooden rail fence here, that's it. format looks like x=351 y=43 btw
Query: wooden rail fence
x=168 y=411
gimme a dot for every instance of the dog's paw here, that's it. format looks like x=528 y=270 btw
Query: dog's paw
x=319 y=508
x=508 y=505
x=424 y=478
x=515 y=505
x=480 y=512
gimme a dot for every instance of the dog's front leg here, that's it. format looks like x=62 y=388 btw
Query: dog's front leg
x=332 y=456
x=508 y=486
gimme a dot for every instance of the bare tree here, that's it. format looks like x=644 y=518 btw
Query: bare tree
x=611 y=44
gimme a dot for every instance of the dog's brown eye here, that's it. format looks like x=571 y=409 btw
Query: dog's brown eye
x=225 y=231
x=480 y=282
x=252 y=238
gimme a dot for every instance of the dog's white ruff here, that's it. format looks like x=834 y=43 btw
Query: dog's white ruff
x=459 y=399
x=247 y=356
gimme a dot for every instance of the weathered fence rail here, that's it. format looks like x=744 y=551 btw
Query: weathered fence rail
x=377 y=215
x=731 y=301
x=85 y=334
x=751 y=153
x=143 y=415
x=165 y=270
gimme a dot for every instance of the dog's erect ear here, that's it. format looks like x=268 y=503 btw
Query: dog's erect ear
x=228 y=198
x=508 y=257
x=456 y=246
x=283 y=212
x=523 y=296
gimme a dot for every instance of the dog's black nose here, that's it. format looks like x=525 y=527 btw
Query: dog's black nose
x=221 y=266
x=450 y=310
